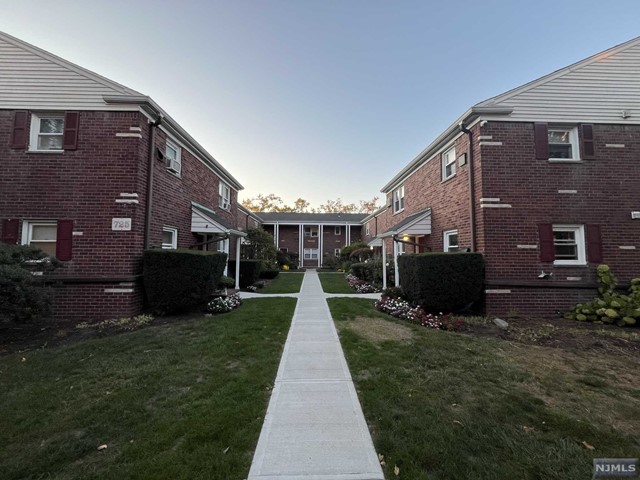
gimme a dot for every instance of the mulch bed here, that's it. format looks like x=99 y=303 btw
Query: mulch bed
x=561 y=333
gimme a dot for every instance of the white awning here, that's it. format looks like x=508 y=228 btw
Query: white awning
x=205 y=222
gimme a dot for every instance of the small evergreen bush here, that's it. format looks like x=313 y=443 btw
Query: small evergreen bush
x=249 y=271
x=181 y=280
x=23 y=296
x=442 y=282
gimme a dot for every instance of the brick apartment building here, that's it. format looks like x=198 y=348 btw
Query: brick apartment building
x=312 y=236
x=543 y=180
x=94 y=173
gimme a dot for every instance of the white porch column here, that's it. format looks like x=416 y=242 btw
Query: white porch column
x=395 y=262
x=238 y=263
x=276 y=235
x=348 y=234
x=320 y=238
x=301 y=245
x=384 y=263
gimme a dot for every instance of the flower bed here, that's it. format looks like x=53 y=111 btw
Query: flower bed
x=361 y=286
x=224 y=304
x=399 y=308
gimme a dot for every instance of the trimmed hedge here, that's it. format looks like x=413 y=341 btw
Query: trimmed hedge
x=442 y=282
x=269 y=274
x=364 y=271
x=249 y=271
x=181 y=280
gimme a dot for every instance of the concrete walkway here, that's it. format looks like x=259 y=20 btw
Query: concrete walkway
x=314 y=428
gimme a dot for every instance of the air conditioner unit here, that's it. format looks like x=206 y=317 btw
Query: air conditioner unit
x=174 y=166
x=635 y=215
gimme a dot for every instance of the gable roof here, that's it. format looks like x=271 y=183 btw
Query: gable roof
x=603 y=88
x=34 y=78
x=295 y=217
x=597 y=89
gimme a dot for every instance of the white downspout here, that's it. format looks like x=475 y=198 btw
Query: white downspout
x=238 y=263
x=321 y=233
x=384 y=263
x=395 y=262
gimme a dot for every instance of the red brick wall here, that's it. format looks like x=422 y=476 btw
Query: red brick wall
x=448 y=200
x=83 y=185
x=606 y=194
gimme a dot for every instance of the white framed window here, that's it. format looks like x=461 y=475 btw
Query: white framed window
x=569 y=245
x=337 y=252
x=310 y=231
x=224 y=193
x=41 y=234
x=169 y=238
x=450 y=241
x=449 y=163
x=223 y=246
x=47 y=130
x=398 y=199
x=173 y=154
x=563 y=143
x=400 y=247
x=310 y=253
x=337 y=230
x=367 y=229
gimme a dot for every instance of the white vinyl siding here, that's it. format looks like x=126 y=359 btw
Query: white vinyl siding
x=29 y=81
x=597 y=91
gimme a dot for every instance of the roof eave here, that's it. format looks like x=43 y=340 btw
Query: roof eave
x=150 y=107
x=445 y=137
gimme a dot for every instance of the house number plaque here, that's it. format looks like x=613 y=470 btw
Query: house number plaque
x=121 y=224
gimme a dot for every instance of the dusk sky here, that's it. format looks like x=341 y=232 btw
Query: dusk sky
x=320 y=99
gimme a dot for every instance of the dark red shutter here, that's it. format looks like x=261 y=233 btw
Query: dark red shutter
x=547 y=250
x=541 y=134
x=594 y=244
x=71 y=123
x=19 y=135
x=64 y=240
x=588 y=152
x=10 y=231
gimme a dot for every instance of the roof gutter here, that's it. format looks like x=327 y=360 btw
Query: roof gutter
x=152 y=109
x=445 y=137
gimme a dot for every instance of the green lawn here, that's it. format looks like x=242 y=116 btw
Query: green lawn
x=445 y=405
x=285 y=282
x=334 y=283
x=184 y=400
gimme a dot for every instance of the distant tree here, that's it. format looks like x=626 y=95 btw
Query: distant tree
x=264 y=203
x=274 y=203
x=368 y=206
